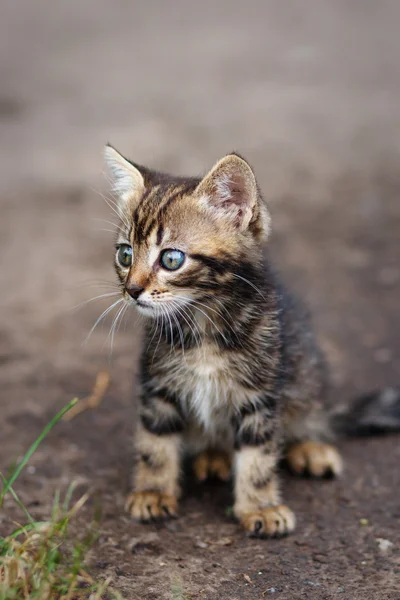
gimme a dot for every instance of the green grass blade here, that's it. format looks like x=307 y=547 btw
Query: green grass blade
x=56 y=506
x=18 y=501
x=34 y=447
x=26 y=528
x=68 y=496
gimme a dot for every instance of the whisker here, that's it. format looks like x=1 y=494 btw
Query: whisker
x=161 y=331
x=214 y=299
x=196 y=303
x=250 y=283
x=155 y=330
x=113 y=206
x=114 y=326
x=183 y=314
x=211 y=321
x=96 y=282
x=181 y=336
x=108 y=230
x=101 y=317
x=129 y=312
x=170 y=328
x=109 y=223
x=108 y=295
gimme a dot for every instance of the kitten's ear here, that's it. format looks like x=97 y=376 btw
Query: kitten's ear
x=127 y=180
x=230 y=191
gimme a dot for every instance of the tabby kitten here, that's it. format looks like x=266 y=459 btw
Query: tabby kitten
x=230 y=372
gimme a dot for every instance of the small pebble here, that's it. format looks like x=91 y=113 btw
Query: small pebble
x=383 y=544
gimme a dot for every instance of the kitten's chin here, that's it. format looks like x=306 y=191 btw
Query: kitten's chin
x=154 y=310
x=145 y=310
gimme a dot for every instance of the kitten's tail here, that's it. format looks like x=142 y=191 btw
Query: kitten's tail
x=371 y=414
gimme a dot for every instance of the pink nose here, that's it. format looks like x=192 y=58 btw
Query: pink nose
x=134 y=290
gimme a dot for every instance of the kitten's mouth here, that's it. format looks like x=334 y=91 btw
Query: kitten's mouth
x=143 y=304
x=152 y=309
x=149 y=309
x=146 y=309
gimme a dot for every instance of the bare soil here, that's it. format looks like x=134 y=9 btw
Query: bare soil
x=309 y=93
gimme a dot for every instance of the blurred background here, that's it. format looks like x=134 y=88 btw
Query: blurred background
x=308 y=91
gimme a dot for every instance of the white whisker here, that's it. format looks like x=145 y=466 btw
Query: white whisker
x=155 y=329
x=196 y=303
x=170 y=328
x=97 y=282
x=101 y=317
x=250 y=283
x=108 y=230
x=191 y=324
x=108 y=295
x=114 y=326
x=181 y=336
x=109 y=223
x=161 y=331
x=114 y=207
x=209 y=318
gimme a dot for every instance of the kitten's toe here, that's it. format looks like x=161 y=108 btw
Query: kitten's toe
x=269 y=522
x=147 y=506
x=212 y=464
x=315 y=459
x=220 y=466
x=200 y=466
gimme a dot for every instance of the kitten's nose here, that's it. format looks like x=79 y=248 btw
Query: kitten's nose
x=134 y=290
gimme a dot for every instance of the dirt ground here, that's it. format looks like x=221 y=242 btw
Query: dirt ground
x=309 y=93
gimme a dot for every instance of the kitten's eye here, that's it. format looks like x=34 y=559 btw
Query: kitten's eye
x=124 y=255
x=172 y=259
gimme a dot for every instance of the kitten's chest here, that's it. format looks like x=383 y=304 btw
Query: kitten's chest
x=205 y=382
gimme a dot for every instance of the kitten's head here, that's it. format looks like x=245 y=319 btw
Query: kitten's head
x=184 y=240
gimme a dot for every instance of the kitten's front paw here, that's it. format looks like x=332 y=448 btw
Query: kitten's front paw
x=212 y=463
x=147 y=506
x=269 y=522
x=314 y=458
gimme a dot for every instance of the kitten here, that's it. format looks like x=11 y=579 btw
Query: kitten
x=230 y=371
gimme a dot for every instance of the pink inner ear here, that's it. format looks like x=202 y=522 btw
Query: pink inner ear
x=231 y=196
x=231 y=190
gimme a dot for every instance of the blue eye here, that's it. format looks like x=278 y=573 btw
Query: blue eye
x=124 y=255
x=172 y=259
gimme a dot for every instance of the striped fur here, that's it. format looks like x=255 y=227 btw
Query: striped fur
x=229 y=366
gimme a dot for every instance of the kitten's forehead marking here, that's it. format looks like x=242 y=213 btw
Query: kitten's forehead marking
x=153 y=248
x=151 y=217
x=155 y=242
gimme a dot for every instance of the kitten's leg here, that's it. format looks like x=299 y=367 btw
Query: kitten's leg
x=158 y=453
x=314 y=458
x=308 y=453
x=257 y=498
x=212 y=463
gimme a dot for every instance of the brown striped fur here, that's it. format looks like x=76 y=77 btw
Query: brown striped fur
x=230 y=371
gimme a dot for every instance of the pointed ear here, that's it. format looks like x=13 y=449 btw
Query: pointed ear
x=230 y=191
x=127 y=180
